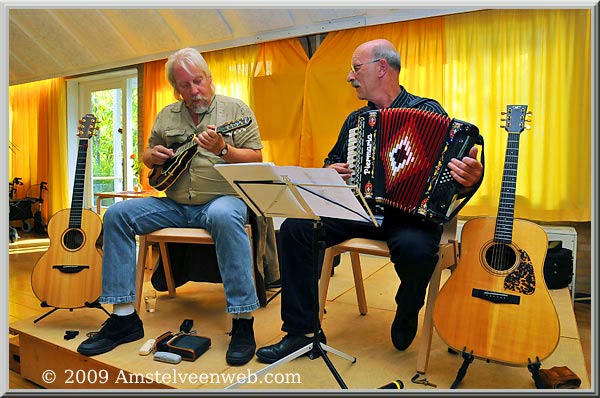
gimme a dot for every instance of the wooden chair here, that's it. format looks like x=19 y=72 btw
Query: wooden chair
x=163 y=237
x=448 y=257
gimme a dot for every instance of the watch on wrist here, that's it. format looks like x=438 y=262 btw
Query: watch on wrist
x=224 y=150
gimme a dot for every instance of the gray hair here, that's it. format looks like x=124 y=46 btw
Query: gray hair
x=389 y=54
x=185 y=58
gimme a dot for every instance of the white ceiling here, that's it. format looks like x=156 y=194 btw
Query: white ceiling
x=46 y=43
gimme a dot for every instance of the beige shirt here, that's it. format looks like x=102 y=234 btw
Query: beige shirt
x=201 y=183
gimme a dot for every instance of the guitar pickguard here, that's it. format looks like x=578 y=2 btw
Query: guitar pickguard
x=522 y=279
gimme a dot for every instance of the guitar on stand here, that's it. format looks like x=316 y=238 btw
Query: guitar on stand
x=69 y=274
x=496 y=306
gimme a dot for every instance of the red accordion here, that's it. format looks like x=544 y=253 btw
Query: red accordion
x=400 y=157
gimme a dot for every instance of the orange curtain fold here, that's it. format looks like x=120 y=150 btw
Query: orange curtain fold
x=278 y=101
x=38 y=136
x=156 y=94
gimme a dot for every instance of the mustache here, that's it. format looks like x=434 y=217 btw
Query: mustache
x=200 y=98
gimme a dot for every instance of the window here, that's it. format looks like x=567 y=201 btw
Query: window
x=113 y=99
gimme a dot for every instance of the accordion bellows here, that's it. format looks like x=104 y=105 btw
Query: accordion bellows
x=400 y=157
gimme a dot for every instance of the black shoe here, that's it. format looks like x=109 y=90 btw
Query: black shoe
x=404 y=330
x=242 y=346
x=274 y=285
x=289 y=344
x=116 y=330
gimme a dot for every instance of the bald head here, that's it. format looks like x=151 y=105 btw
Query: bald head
x=381 y=49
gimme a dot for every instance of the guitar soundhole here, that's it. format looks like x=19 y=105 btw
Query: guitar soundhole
x=500 y=257
x=73 y=239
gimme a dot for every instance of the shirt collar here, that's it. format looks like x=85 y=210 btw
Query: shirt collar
x=398 y=102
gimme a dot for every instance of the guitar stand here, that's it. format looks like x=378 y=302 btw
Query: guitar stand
x=534 y=368
x=95 y=304
x=315 y=348
x=467 y=359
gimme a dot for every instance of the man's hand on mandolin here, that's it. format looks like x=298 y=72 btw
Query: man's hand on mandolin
x=157 y=155
x=210 y=140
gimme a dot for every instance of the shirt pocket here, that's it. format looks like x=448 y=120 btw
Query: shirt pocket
x=176 y=137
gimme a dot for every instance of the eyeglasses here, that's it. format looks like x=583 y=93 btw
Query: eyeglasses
x=356 y=67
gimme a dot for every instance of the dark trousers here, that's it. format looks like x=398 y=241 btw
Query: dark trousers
x=413 y=243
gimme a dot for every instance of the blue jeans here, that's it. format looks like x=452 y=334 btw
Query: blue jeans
x=223 y=217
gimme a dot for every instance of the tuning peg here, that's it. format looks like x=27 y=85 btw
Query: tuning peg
x=503 y=119
x=503 y=126
x=503 y=113
x=529 y=113
x=528 y=120
x=528 y=127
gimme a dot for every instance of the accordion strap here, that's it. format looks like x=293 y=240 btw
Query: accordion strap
x=475 y=187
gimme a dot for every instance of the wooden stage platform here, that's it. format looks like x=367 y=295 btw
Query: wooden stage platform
x=49 y=360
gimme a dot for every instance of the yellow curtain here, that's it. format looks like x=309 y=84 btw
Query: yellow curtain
x=278 y=99
x=540 y=58
x=38 y=135
x=328 y=98
x=232 y=70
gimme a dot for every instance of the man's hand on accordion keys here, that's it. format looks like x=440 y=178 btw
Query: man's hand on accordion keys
x=342 y=169
x=468 y=170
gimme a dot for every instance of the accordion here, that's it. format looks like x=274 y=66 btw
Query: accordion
x=400 y=155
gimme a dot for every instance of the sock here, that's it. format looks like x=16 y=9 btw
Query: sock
x=123 y=309
x=244 y=315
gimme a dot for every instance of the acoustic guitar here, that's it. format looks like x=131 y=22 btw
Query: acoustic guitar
x=163 y=176
x=496 y=303
x=69 y=274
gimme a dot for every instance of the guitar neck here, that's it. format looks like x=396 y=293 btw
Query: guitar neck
x=78 y=185
x=506 y=208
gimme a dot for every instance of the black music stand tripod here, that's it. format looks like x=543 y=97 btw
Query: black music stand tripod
x=315 y=348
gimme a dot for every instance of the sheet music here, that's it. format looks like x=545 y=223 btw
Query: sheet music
x=269 y=190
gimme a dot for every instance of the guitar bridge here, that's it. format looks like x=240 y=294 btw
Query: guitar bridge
x=496 y=297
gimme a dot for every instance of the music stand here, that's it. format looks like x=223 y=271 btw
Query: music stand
x=298 y=193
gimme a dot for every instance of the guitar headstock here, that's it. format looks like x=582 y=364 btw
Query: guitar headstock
x=515 y=118
x=228 y=128
x=87 y=126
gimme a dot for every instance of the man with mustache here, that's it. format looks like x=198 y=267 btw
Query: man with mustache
x=413 y=241
x=199 y=198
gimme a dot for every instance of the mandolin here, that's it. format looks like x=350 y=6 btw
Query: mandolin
x=496 y=303
x=69 y=274
x=163 y=176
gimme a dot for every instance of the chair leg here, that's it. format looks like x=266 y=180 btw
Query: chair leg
x=448 y=256
x=139 y=277
x=358 y=283
x=324 y=280
x=164 y=253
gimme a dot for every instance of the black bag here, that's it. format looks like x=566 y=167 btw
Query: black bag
x=558 y=267
x=188 y=346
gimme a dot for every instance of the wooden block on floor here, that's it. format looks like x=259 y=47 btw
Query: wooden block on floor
x=14 y=354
